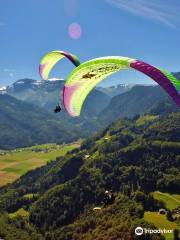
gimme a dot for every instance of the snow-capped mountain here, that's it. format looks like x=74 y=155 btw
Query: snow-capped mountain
x=48 y=93
x=3 y=90
x=27 y=84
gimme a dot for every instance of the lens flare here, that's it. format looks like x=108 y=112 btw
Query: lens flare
x=75 y=31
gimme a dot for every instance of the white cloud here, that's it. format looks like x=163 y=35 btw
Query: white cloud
x=157 y=10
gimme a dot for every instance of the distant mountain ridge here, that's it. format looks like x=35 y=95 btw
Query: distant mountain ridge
x=177 y=75
x=115 y=90
x=139 y=100
x=23 y=84
x=48 y=93
x=31 y=121
x=52 y=84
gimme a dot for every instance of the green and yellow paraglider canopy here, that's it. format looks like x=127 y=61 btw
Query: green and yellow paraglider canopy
x=84 y=78
x=50 y=59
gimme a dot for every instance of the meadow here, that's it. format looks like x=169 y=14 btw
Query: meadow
x=161 y=222
x=17 y=162
x=171 y=200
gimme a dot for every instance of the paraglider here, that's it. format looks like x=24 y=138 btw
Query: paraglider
x=51 y=58
x=48 y=62
x=83 y=79
x=57 y=109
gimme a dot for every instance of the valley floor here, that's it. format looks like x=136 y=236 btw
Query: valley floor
x=15 y=163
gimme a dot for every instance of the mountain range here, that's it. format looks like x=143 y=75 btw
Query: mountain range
x=47 y=94
x=26 y=109
x=27 y=118
x=139 y=100
x=115 y=90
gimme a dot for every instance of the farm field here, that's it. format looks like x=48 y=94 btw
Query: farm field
x=17 y=162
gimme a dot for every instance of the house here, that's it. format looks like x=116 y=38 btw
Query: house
x=162 y=211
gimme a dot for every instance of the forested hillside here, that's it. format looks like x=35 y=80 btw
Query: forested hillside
x=133 y=157
x=24 y=124
x=48 y=93
x=140 y=99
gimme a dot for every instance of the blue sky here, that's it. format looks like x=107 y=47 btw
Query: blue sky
x=144 y=29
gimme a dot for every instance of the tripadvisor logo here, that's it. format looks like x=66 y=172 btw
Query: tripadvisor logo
x=139 y=231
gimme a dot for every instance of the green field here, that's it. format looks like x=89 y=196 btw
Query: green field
x=171 y=200
x=161 y=222
x=21 y=212
x=17 y=162
x=145 y=119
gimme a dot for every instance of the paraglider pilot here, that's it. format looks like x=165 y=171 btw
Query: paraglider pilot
x=109 y=198
x=57 y=109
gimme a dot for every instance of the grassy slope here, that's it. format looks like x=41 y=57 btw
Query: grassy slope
x=145 y=119
x=171 y=200
x=21 y=212
x=161 y=222
x=16 y=163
